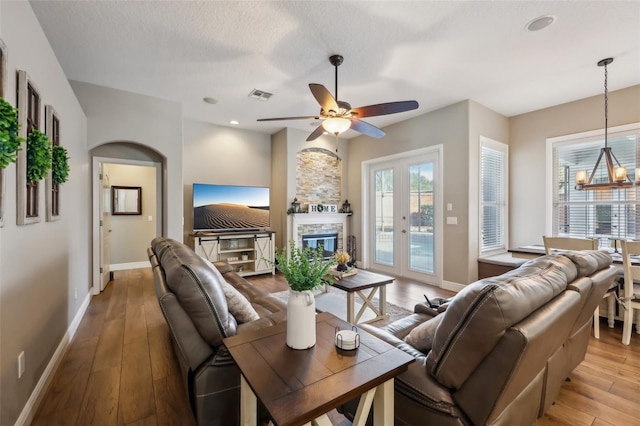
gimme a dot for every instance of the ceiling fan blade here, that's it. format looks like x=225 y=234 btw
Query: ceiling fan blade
x=310 y=117
x=366 y=128
x=316 y=133
x=324 y=97
x=384 y=109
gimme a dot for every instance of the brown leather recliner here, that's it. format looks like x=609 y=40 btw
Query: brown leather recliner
x=504 y=344
x=195 y=308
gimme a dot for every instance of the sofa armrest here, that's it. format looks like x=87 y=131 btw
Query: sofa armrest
x=424 y=308
x=394 y=341
x=264 y=322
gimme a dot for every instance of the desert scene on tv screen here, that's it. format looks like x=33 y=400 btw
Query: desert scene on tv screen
x=230 y=216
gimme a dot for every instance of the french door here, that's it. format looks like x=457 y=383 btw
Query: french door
x=404 y=216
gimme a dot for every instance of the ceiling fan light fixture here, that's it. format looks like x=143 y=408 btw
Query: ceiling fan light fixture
x=336 y=125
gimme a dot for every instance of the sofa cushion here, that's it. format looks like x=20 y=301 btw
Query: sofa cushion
x=198 y=289
x=421 y=337
x=588 y=261
x=478 y=315
x=238 y=305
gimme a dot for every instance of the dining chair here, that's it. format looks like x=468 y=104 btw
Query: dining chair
x=573 y=243
x=631 y=293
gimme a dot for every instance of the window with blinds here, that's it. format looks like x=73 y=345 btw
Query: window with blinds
x=493 y=195
x=605 y=214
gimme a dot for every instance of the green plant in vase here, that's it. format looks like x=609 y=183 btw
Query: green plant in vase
x=304 y=268
x=59 y=164
x=38 y=156
x=9 y=139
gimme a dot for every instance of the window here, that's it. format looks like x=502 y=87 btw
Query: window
x=493 y=195
x=29 y=119
x=52 y=128
x=3 y=66
x=605 y=214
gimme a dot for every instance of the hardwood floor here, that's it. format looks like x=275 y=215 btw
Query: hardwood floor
x=120 y=368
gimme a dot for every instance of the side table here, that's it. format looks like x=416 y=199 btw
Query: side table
x=299 y=386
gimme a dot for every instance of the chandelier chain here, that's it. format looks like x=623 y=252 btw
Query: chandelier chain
x=606 y=105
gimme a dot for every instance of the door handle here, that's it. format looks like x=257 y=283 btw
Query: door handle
x=404 y=231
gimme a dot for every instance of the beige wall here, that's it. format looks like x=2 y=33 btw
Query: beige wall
x=131 y=234
x=222 y=155
x=118 y=116
x=279 y=198
x=483 y=122
x=43 y=264
x=528 y=134
x=447 y=126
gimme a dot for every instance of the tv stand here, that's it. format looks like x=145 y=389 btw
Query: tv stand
x=247 y=252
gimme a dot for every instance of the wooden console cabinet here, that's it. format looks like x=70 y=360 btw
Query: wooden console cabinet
x=248 y=253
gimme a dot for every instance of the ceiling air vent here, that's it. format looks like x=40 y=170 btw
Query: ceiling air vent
x=260 y=95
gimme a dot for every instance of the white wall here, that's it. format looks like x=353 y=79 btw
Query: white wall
x=118 y=116
x=527 y=150
x=43 y=263
x=131 y=234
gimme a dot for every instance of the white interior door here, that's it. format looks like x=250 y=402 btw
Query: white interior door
x=404 y=217
x=105 y=227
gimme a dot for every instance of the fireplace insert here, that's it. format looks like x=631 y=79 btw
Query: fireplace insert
x=328 y=243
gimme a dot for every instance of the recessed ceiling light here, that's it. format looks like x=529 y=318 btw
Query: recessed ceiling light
x=540 y=22
x=210 y=100
x=234 y=122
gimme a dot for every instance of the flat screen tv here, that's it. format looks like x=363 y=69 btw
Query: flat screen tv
x=222 y=208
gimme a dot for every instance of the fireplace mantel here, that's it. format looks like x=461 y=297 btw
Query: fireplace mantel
x=298 y=219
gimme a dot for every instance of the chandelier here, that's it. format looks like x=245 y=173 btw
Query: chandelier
x=617 y=174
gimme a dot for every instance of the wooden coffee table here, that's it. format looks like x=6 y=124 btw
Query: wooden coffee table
x=299 y=386
x=355 y=285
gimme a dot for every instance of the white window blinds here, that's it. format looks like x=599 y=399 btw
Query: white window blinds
x=493 y=195
x=605 y=214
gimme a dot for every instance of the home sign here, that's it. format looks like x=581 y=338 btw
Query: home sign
x=323 y=208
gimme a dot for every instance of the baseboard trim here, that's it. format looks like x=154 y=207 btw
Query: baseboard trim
x=29 y=410
x=126 y=266
x=449 y=285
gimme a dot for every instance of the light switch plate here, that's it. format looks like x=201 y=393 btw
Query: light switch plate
x=452 y=220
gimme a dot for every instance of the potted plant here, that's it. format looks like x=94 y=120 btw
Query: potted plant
x=38 y=156
x=304 y=270
x=9 y=139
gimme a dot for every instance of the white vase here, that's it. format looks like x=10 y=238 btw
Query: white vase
x=301 y=319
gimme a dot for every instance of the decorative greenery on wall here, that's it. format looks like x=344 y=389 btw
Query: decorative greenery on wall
x=60 y=164
x=38 y=156
x=9 y=139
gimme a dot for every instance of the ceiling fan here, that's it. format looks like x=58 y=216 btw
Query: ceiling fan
x=338 y=116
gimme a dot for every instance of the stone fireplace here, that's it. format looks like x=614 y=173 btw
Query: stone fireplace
x=318 y=225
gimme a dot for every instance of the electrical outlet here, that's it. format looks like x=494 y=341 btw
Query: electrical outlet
x=21 y=364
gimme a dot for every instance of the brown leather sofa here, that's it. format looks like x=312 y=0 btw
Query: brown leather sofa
x=194 y=305
x=502 y=347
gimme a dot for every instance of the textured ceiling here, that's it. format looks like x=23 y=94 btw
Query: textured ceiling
x=436 y=52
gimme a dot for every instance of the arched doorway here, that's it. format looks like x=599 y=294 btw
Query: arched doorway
x=120 y=241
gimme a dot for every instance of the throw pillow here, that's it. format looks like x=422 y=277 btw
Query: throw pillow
x=238 y=305
x=421 y=337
